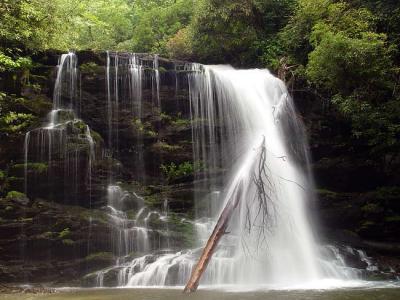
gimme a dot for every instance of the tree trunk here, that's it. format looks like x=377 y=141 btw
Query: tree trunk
x=212 y=243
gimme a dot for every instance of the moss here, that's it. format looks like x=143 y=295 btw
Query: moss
x=96 y=137
x=94 y=215
x=173 y=171
x=184 y=228
x=80 y=125
x=35 y=167
x=25 y=220
x=9 y=208
x=68 y=242
x=328 y=195
x=393 y=218
x=387 y=193
x=152 y=201
x=12 y=195
x=164 y=117
x=2 y=175
x=366 y=225
x=131 y=214
x=90 y=68
x=100 y=256
x=371 y=208
x=47 y=235
x=165 y=147
x=64 y=233
x=181 y=123
x=145 y=128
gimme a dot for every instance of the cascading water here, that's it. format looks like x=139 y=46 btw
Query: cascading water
x=235 y=113
x=129 y=72
x=248 y=144
x=64 y=145
x=244 y=104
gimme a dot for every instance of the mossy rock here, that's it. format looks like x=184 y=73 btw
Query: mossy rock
x=64 y=233
x=17 y=197
x=38 y=168
x=372 y=208
x=91 y=68
x=68 y=242
x=104 y=256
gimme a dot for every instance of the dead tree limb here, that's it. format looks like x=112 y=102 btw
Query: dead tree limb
x=212 y=243
x=262 y=182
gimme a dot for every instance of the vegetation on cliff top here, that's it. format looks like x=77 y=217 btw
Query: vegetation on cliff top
x=345 y=52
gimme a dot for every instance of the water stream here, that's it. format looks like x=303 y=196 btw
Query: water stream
x=63 y=146
x=248 y=144
x=241 y=130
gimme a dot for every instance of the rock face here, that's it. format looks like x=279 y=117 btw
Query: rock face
x=59 y=233
x=62 y=229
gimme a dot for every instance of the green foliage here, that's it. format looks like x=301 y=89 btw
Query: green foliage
x=12 y=195
x=180 y=44
x=99 y=256
x=90 y=68
x=181 y=123
x=39 y=168
x=236 y=31
x=173 y=171
x=99 y=24
x=156 y=23
x=371 y=208
x=14 y=123
x=7 y=63
x=64 y=233
x=9 y=208
x=17 y=114
x=337 y=48
x=143 y=128
x=68 y=242
x=165 y=147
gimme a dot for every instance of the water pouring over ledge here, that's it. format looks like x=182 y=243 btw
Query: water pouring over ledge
x=236 y=116
x=63 y=144
x=245 y=132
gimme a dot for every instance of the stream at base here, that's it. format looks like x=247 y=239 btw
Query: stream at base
x=370 y=291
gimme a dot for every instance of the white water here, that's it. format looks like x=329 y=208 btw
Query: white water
x=235 y=113
x=276 y=247
x=58 y=143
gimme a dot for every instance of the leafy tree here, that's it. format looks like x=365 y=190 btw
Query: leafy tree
x=236 y=31
x=156 y=22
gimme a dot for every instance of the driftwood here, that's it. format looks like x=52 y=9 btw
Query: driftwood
x=212 y=243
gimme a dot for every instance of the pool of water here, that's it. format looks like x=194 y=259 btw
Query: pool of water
x=388 y=292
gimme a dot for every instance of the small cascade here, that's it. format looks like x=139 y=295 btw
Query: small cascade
x=63 y=145
x=126 y=77
x=132 y=236
x=371 y=266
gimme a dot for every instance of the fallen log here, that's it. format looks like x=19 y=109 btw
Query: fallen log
x=262 y=183
x=212 y=243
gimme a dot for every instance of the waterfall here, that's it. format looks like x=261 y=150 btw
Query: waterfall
x=64 y=143
x=248 y=144
x=240 y=110
x=246 y=130
x=125 y=81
